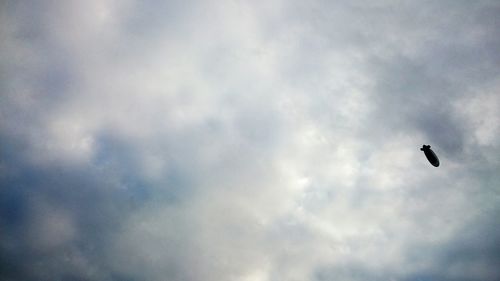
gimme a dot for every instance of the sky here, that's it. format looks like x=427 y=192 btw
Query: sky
x=249 y=140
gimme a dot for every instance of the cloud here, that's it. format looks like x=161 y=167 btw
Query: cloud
x=248 y=141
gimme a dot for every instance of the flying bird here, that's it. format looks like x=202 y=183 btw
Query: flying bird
x=431 y=156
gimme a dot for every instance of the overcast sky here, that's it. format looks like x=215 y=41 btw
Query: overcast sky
x=249 y=140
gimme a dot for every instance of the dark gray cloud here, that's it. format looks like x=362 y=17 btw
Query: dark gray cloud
x=150 y=140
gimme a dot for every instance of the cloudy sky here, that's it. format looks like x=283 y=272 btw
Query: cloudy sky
x=249 y=140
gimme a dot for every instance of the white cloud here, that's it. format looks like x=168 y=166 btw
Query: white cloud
x=248 y=141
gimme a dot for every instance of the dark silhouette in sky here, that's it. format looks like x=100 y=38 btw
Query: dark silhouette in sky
x=431 y=156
